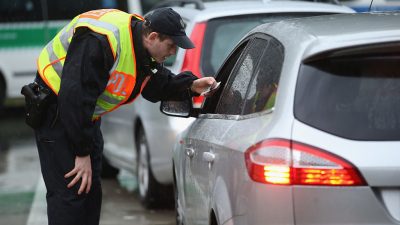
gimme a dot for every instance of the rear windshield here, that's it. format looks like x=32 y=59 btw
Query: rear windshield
x=224 y=33
x=355 y=97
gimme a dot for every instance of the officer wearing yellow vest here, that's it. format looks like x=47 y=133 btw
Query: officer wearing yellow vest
x=99 y=61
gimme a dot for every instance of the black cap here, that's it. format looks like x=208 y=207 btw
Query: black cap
x=167 y=21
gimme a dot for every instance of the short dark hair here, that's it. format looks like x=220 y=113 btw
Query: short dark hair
x=147 y=30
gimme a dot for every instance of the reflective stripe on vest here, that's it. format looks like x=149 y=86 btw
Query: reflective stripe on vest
x=116 y=26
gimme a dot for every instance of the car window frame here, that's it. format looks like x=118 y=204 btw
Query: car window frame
x=281 y=47
x=210 y=104
x=255 y=40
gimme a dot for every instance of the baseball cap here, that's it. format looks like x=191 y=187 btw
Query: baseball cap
x=167 y=21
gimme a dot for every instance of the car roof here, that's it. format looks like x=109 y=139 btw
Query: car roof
x=324 y=33
x=230 y=8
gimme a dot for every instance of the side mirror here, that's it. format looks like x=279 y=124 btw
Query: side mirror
x=178 y=108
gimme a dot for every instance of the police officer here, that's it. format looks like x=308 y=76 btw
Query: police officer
x=99 y=61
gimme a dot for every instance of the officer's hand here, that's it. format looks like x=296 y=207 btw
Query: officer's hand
x=83 y=169
x=202 y=84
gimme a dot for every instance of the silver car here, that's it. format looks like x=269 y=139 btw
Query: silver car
x=305 y=128
x=138 y=137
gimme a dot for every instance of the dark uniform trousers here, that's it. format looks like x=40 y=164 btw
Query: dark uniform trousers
x=56 y=154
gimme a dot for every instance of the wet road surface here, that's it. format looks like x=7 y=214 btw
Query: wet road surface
x=22 y=191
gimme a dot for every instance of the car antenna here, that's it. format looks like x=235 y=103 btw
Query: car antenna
x=370 y=5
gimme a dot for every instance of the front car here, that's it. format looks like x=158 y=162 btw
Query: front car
x=325 y=153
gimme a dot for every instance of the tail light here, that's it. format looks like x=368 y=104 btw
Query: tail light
x=285 y=162
x=192 y=57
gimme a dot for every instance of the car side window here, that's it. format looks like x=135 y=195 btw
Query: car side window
x=58 y=11
x=264 y=85
x=222 y=76
x=232 y=99
x=20 y=10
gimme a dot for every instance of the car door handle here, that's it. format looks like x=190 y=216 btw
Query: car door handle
x=208 y=157
x=189 y=152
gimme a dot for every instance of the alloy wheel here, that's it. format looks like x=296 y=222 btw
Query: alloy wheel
x=143 y=168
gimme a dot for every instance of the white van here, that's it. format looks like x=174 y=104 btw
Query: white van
x=26 y=26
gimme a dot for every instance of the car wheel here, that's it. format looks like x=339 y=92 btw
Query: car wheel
x=148 y=187
x=178 y=206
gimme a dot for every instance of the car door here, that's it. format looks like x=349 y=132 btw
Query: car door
x=208 y=131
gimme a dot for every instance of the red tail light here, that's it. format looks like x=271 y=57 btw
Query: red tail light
x=279 y=161
x=192 y=57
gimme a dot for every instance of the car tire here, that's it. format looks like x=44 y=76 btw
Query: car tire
x=107 y=170
x=148 y=187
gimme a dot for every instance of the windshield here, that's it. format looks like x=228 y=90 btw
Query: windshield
x=355 y=97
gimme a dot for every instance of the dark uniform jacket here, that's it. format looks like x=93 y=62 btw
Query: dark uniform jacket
x=85 y=76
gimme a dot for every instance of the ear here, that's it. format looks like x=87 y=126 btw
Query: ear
x=149 y=40
x=153 y=36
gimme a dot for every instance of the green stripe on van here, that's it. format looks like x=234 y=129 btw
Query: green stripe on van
x=26 y=37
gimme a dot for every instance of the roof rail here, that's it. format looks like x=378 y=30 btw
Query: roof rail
x=168 y=3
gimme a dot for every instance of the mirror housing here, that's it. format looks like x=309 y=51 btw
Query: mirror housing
x=179 y=108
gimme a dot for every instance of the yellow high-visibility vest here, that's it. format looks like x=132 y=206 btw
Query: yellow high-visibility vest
x=116 y=26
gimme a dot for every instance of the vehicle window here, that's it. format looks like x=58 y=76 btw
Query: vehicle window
x=264 y=85
x=232 y=99
x=20 y=10
x=355 y=97
x=58 y=11
x=222 y=76
x=35 y=10
x=216 y=48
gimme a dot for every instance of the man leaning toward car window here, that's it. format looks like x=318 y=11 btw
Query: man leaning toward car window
x=99 y=61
